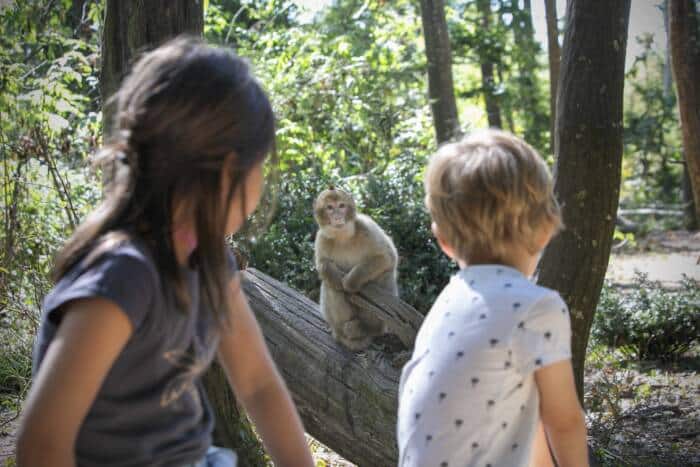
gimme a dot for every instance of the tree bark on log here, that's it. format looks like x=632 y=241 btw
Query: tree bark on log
x=346 y=400
x=588 y=160
x=439 y=55
x=684 y=37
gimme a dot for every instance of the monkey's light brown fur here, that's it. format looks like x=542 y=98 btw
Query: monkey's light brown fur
x=351 y=250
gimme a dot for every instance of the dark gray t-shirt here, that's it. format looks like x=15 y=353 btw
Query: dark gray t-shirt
x=151 y=409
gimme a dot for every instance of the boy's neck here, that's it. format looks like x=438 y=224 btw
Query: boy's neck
x=516 y=257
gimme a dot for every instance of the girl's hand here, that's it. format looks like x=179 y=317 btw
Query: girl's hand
x=259 y=387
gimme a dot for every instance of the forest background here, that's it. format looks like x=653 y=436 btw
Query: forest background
x=349 y=85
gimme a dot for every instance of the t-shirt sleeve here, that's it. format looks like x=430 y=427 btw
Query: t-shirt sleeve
x=124 y=279
x=543 y=337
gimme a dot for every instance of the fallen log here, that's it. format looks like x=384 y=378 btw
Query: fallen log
x=346 y=400
x=402 y=319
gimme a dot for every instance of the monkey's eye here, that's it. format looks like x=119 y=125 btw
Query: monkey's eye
x=341 y=205
x=329 y=207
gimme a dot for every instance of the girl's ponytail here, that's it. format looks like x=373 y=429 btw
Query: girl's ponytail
x=117 y=161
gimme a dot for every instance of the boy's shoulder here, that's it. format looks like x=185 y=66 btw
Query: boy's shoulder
x=497 y=284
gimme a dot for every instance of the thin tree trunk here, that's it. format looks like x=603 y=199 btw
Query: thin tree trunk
x=534 y=117
x=588 y=163
x=554 y=53
x=684 y=38
x=493 y=110
x=440 y=85
x=668 y=73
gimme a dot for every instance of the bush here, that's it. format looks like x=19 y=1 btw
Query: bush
x=649 y=322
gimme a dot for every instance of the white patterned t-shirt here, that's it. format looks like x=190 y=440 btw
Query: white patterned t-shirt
x=468 y=396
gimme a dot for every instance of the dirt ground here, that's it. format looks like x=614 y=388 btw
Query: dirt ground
x=658 y=405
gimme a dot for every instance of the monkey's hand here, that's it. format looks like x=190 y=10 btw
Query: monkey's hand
x=365 y=272
x=331 y=274
x=352 y=283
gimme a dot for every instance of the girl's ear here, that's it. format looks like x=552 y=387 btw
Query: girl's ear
x=444 y=246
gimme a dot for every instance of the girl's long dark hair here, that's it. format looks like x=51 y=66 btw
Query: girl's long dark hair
x=182 y=112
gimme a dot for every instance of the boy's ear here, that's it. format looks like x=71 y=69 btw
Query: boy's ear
x=444 y=246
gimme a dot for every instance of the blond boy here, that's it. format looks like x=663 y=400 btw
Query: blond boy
x=492 y=359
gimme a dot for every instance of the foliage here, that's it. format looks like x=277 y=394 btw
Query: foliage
x=48 y=123
x=649 y=322
x=652 y=167
x=508 y=43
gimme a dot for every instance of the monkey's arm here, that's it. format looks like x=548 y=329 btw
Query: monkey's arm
x=367 y=271
x=330 y=273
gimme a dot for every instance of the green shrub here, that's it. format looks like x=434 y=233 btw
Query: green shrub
x=649 y=322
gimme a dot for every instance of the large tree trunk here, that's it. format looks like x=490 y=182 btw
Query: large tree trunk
x=685 y=54
x=554 y=53
x=441 y=88
x=493 y=110
x=346 y=400
x=131 y=26
x=233 y=429
x=588 y=163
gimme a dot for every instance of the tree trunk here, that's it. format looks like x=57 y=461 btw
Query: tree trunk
x=131 y=26
x=668 y=74
x=232 y=429
x=588 y=163
x=346 y=400
x=441 y=88
x=685 y=55
x=554 y=53
x=493 y=110
x=692 y=222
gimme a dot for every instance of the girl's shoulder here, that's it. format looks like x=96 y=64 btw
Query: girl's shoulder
x=123 y=272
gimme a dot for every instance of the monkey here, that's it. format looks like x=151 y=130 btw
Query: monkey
x=350 y=251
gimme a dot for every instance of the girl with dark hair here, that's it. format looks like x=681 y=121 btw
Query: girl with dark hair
x=146 y=289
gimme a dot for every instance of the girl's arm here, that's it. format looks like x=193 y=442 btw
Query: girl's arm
x=259 y=387
x=91 y=335
x=561 y=414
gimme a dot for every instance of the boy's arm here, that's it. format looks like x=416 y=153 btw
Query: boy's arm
x=561 y=414
x=259 y=387
x=540 y=455
x=91 y=335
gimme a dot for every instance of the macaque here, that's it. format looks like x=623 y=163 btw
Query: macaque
x=351 y=250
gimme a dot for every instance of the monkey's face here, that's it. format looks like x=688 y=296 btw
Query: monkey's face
x=334 y=208
x=337 y=213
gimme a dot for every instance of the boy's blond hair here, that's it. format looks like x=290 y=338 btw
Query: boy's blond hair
x=489 y=191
